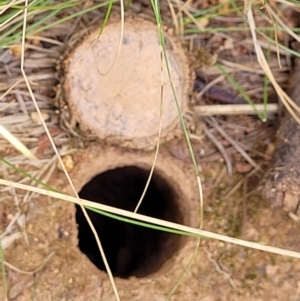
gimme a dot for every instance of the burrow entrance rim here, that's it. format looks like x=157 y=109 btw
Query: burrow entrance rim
x=131 y=250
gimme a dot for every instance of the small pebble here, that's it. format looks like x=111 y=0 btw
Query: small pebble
x=36 y=118
x=68 y=162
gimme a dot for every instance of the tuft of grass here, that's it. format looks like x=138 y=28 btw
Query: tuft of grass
x=11 y=32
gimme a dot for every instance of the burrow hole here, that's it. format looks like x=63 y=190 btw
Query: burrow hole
x=130 y=250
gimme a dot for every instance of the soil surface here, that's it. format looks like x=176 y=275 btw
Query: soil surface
x=220 y=271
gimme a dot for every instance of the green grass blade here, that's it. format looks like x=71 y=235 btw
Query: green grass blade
x=139 y=223
x=3 y=272
x=27 y=175
x=236 y=85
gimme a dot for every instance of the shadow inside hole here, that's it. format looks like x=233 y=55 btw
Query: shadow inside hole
x=130 y=250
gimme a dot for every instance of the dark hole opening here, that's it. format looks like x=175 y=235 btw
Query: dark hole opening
x=130 y=250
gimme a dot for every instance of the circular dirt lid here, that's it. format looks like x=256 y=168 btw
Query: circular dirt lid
x=117 y=96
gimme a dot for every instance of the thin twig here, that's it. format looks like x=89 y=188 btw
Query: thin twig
x=155 y=221
x=244 y=206
x=218 y=269
x=239 y=184
x=214 y=123
x=236 y=109
x=209 y=85
x=46 y=260
x=221 y=149
x=59 y=157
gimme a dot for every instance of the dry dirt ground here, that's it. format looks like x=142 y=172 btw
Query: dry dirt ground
x=45 y=263
x=220 y=271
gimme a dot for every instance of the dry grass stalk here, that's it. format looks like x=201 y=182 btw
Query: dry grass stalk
x=236 y=109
